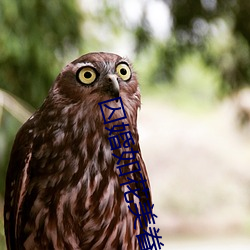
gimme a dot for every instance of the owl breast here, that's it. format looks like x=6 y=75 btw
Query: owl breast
x=75 y=195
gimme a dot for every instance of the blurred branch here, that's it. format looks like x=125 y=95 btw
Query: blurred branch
x=14 y=107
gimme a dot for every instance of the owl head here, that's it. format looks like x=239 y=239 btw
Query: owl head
x=89 y=80
x=96 y=77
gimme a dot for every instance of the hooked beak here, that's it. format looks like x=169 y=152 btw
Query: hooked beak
x=114 y=85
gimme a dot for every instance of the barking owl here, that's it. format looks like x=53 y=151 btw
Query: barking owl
x=63 y=188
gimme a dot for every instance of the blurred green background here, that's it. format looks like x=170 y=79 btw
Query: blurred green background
x=192 y=60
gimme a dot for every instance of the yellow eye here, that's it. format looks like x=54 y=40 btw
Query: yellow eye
x=123 y=71
x=86 y=75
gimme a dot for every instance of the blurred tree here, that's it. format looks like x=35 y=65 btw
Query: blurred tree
x=35 y=38
x=193 y=26
x=218 y=29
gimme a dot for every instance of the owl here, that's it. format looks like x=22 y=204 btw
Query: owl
x=63 y=188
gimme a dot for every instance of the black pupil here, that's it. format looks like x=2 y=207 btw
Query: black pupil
x=87 y=74
x=123 y=71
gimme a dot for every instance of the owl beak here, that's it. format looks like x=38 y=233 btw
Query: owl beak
x=114 y=87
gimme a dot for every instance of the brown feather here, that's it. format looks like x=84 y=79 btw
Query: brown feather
x=62 y=187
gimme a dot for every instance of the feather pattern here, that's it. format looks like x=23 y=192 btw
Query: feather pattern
x=63 y=190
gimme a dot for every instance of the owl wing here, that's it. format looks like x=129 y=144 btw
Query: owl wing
x=17 y=180
x=145 y=176
x=144 y=187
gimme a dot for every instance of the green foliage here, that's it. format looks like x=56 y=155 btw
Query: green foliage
x=231 y=56
x=196 y=23
x=2 y=237
x=34 y=37
x=193 y=85
x=218 y=30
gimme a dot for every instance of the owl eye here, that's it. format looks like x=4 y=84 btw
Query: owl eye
x=123 y=71
x=86 y=75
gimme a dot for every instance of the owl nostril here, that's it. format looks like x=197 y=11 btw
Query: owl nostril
x=112 y=78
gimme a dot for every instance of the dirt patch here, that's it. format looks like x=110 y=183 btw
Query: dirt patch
x=199 y=168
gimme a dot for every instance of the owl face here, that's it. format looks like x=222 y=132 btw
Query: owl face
x=97 y=77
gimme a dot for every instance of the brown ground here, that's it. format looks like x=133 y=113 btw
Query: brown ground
x=199 y=168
